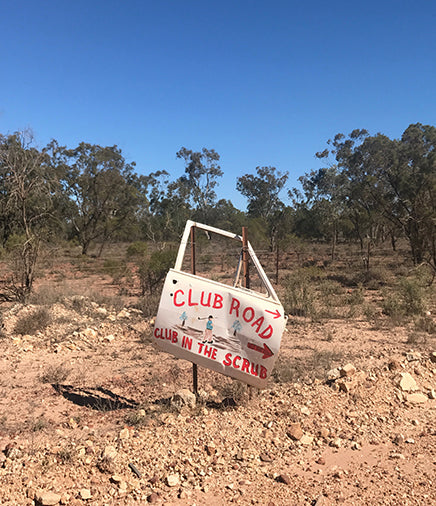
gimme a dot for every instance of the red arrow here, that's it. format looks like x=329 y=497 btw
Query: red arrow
x=275 y=313
x=265 y=349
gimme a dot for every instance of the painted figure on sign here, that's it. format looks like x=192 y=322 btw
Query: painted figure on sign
x=183 y=317
x=208 y=336
x=236 y=327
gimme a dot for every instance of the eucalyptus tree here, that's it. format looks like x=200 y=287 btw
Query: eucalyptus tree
x=28 y=187
x=324 y=193
x=197 y=185
x=264 y=202
x=165 y=207
x=103 y=191
x=413 y=183
x=391 y=182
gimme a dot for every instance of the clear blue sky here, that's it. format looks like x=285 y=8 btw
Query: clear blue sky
x=261 y=82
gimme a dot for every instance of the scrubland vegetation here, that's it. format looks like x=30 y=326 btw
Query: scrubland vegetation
x=374 y=196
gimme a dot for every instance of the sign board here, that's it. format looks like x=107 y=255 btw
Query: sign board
x=228 y=329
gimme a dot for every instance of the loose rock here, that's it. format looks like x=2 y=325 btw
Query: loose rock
x=48 y=498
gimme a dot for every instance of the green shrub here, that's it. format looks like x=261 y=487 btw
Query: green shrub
x=329 y=287
x=408 y=298
x=413 y=297
x=392 y=306
x=33 y=322
x=370 y=311
x=137 y=249
x=373 y=279
x=153 y=271
x=113 y=267
x=299 y=297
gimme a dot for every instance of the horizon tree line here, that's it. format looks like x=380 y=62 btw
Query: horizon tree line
x=370 y=189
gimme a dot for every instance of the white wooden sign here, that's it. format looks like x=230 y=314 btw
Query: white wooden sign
x=231 y=330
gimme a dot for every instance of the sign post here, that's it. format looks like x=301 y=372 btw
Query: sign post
x=245 y=258
x=194 y=366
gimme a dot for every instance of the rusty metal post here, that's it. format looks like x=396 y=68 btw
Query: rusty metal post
x=245 y=258
x=246 y=277
x=194 y=366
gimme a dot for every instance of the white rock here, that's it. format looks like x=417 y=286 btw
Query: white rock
x=417 y=398
x=336 y=443
x=333 y=374
x=407 y=383
x=173 y=480
x=184 y=397
x=85 y=494
x=48 y=499
x=90 y=333
x=306 y=439
x=109 y=452
x=348 y=370
x=124 y=433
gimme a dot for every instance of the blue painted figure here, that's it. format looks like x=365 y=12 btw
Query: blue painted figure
x=208 y=336
x=183 y=317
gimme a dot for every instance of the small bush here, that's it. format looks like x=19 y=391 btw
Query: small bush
x=299 y=298
x=113 y=267
x=329 y=287
x=146 y=337
x=33 y=322
x=425 y=324
x=322 y=361
x=148 y=304
x=370 y=311
x=234 y=390
x=392 y=306
x=373 y=279
x=137 y=419
x=413 y=297
x=354 y=301
x=409 y=298
x=356 y=297
x=66 y=455
x=113 y=301
x=137 y=249
x=55 y=374
x=415 y=338
x=47 y=295
x=106 y=465
x=287 y=370
x=39 y=424
x=153 y=271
